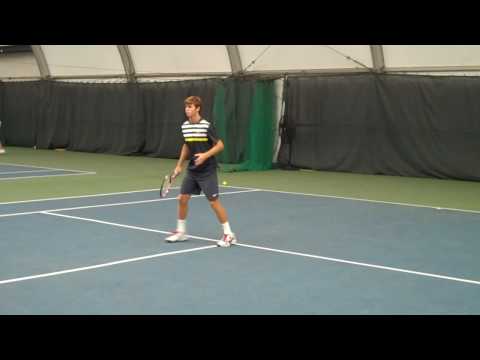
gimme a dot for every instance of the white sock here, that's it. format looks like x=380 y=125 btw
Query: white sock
x=182 y=225
x=226 y=228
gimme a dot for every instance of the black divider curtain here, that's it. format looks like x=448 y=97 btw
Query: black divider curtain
x=376 y=124
x=116 y=118
x=107 y=119
x=385 y=124
x=55 y=116
x=21 y=102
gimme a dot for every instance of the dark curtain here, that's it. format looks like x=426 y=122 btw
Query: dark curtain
x=21 y=104
x=384 y=124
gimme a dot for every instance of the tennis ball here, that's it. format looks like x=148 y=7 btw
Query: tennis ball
x=224 y=183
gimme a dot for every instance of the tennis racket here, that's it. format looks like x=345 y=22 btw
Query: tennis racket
x=166 y=185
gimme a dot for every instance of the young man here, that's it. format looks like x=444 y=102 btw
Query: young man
x=201 y=144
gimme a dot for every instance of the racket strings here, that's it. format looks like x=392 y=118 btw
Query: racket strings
x=166 y=184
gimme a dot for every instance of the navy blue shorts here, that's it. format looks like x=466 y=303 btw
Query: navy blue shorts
x=194 y=183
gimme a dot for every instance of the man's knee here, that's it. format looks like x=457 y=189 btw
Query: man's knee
x=213 y=200
x=183 y=199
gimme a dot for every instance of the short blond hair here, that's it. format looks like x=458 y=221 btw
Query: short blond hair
x=193 y=100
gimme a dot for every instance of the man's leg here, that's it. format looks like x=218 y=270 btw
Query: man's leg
x=209 y=185
x=219 y=210
x=228 y=237
x=183 y=206
x=179 y=234
x=189 y=186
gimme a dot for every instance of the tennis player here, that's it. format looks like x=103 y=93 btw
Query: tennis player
x=200 y=146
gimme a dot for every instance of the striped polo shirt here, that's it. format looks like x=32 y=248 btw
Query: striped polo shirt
x=200 y=137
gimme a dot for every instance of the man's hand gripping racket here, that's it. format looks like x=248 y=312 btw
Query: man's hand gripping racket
x=168 y=182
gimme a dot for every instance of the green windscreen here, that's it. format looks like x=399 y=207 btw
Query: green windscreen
x=244 y=117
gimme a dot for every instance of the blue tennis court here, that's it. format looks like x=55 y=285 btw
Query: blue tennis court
x=297 y=254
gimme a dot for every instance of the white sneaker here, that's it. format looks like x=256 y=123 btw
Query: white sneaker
x=227 y=240
x=2 y=151
x=176 y=236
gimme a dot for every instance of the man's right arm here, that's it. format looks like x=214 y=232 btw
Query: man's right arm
x=184 y=154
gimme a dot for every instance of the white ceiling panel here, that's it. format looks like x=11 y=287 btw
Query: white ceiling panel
x=431 y=55
x=442 y=73
x=166 y=78
x=18 y=65
x=71 y=60
x=180 y=58
x=181 y=62
x=96 y=80
x=303 y=57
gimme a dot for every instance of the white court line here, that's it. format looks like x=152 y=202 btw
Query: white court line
x=104 y=264
x=39 y=176
x=365 y=264
x=82 y=196
x=41 y=167
x=93 y=195
x=357 y=199
x=117 y=224
x=23 y=172
x=114 y=204
x=388 y=268
x=259 y=189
